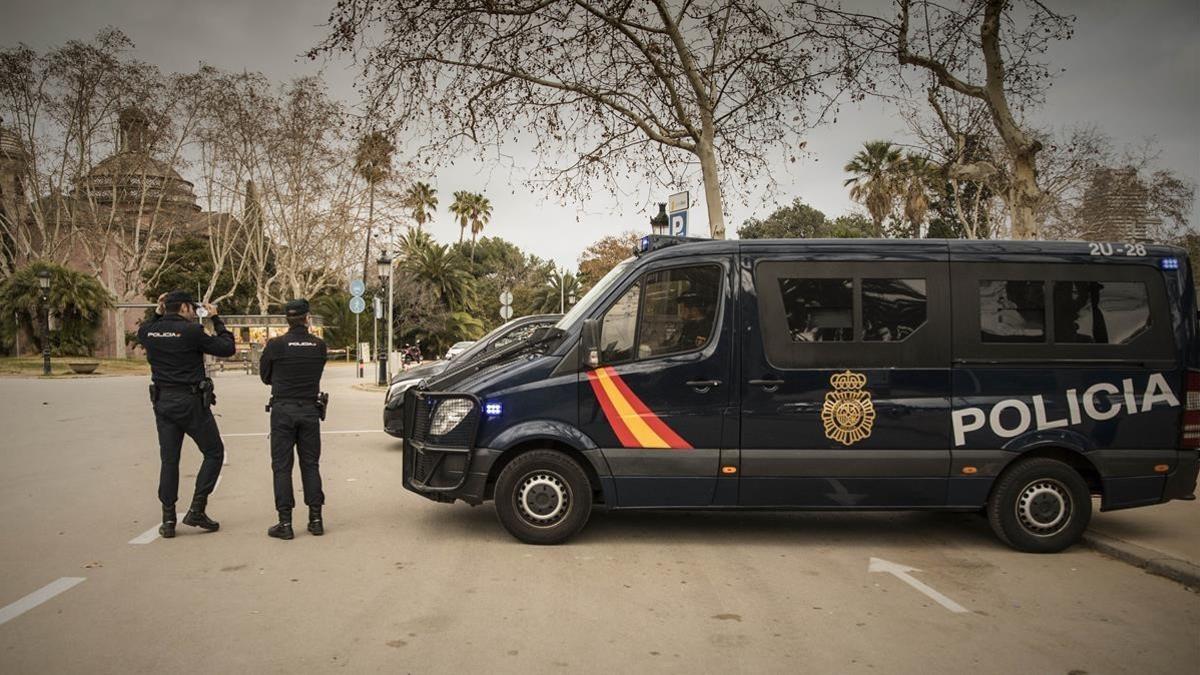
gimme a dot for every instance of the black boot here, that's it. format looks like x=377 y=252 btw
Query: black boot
x=282 y=529
x=197 y=518
x=315 y=527
x=167 y=529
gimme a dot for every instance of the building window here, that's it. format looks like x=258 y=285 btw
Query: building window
x=818 y=310
x=1099 y=312
x=1012 y=311
x=892 y=309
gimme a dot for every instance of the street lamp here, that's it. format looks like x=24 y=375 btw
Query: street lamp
x=384 y=268
x=43 y=277
x=659 y=223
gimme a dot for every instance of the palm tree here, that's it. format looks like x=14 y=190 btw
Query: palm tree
x=481 y=214
x=461 y=208
x=422 y=200
x=919 y=175
x=874 y=184
x=436 y=265
x=372 y=162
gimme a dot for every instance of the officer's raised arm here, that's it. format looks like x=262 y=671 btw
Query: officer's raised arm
x=220 y=344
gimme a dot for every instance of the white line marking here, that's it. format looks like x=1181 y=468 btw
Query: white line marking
x=347 y=431
x=151 y=534
x=37 y=597
x=216 y=485
x=901 y=572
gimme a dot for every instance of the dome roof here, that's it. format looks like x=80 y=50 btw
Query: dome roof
x=134 y=178
x=11 y=146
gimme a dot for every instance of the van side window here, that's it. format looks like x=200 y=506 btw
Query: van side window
x=1099 y=312
x=1012 y=311
x=818 y=310
x=618 y=329
x=892 y=309
x=678 y=310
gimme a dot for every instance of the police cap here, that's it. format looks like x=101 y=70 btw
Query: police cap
x=180 y=297
x=298 y=307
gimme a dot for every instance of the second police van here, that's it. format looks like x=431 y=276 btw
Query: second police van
x=1019 y=379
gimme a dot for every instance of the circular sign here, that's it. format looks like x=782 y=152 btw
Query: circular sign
x=506 y=312
x=357 y=287
x=506 y=298
x=357 y=304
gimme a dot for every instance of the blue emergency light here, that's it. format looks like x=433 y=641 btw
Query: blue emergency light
x=1169 y=263
x=493 y=409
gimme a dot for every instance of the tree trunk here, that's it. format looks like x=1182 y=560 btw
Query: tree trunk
x=370 y=222
x=1024 y=197
x=712 y=184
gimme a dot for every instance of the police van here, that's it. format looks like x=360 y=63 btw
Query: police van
x=1015 y=379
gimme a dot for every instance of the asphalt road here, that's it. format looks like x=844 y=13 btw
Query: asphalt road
x=400 y=584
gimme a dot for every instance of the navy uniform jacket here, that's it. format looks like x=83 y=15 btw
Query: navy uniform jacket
x=293 y=363
x=176 y=347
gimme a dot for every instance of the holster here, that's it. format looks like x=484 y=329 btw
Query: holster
x=153 y=393
x=322 y=404
x=207 y=394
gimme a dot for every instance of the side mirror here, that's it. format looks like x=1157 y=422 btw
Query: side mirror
x=590 y=343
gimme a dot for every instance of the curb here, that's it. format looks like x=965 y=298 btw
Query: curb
x=1154 y=562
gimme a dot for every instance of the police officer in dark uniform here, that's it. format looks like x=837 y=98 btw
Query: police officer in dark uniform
x=182 y=396
x=292 y=364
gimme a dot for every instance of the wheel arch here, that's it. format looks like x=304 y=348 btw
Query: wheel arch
x=587 y=458
x=1074 y=457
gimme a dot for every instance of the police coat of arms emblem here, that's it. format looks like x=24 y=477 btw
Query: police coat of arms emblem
x=848 y=413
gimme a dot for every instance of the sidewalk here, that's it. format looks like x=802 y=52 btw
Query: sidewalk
x=1162 y=539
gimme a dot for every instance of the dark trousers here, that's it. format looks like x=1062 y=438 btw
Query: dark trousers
x=177 y=413
x=296 y=424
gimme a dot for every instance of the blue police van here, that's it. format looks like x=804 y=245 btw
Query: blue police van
x=1015 y=379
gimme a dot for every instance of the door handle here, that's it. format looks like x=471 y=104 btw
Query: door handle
x=769 y=386
x=703 y=386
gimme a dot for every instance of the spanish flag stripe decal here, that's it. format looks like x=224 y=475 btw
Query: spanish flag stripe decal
x=622 y=432
x=635 y=425
x=672 y=439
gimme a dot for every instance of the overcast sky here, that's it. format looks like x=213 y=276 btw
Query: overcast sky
x=1133 y=69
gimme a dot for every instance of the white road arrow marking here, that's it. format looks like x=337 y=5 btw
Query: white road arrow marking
x=901 y=572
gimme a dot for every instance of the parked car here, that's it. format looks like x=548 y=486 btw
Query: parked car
x=457 y=348
x=1014 y=378
x=502 y=336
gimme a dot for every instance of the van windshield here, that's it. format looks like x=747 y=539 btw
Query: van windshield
x=585 y=304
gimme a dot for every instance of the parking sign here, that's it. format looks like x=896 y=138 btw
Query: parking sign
x=679 y=224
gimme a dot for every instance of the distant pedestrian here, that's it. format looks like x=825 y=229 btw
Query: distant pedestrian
x=292 y=364
x=182 y=397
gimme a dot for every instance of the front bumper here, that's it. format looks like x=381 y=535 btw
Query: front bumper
x=393 y=421
x=457 y=476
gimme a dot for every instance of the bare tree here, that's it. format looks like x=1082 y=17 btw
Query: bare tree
x=1000 y=69
x=619 y=88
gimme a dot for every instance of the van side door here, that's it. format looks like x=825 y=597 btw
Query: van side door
x=846 y=380
x=657 y=401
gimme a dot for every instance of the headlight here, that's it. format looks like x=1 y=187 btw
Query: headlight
x=448 y=415
x=399 y=388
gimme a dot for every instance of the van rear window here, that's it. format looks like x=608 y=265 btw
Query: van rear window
x=1012 y=311
x=892 y=309
x=1099 y=312
x=818 y=310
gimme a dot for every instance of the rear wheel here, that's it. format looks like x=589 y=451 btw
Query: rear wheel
x=1040 y=505
x=543 y=497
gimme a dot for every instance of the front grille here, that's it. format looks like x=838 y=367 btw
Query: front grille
x=426 y=461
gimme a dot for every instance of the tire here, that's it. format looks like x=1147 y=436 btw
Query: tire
x=1040 y=505
x=543 y=497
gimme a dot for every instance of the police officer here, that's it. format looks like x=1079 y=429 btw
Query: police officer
x=181 y=394
x=292 y=364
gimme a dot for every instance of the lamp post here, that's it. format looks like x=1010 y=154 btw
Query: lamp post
x=43 y=277
x=384 y=268
x=660 y=222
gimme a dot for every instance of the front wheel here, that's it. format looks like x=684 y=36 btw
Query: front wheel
x=1040 y=505
x=543 y=497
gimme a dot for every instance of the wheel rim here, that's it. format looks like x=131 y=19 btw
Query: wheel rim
x=1044 y=507
x=543 y=499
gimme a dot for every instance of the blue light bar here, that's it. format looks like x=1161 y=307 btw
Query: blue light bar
x=645 y=244
x=493 y=409
x=1169 y=263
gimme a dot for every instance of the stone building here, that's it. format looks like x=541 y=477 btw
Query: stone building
x=116 y=218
